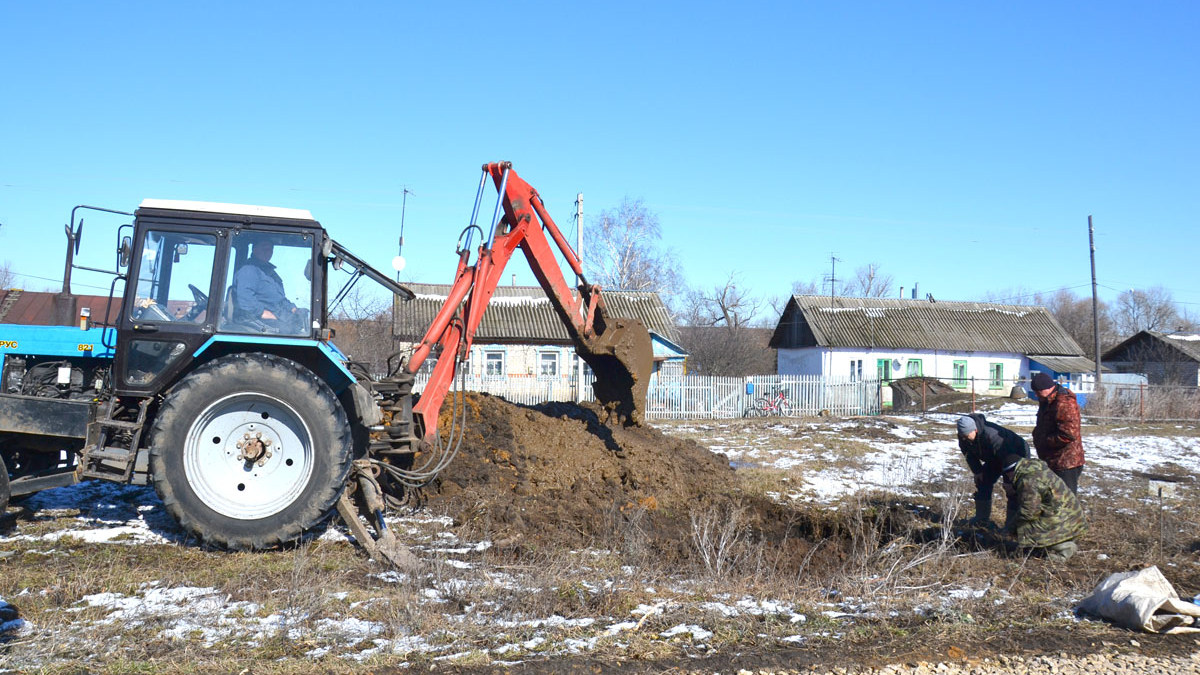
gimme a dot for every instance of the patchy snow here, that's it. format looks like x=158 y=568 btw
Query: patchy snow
x=698 y=634
x=897 y=467
x=900 y=454
x=1142 y=453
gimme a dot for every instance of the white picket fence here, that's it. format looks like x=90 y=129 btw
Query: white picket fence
x=698 y=396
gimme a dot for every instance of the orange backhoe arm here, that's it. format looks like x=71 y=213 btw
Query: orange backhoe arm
x=618 y=350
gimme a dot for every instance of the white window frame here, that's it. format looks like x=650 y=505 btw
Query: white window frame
x=545 y=357
x=492 y=358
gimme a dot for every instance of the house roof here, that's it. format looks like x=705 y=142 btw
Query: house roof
x=1065 y=364
x=1187 y=344
x=893 y=323
x=518 y=314
x=36 y=308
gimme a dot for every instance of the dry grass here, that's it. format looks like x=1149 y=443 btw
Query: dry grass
x=876 y=569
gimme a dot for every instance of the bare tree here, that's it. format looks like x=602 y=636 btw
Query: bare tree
x=1151 y=309
x=1074 y=314
x=1188 y=322
x=363 y=322
x=867 y=282
x=806 y=288
x=623 y=251
x=721 y=334
x=6 y=275
x=727 y=304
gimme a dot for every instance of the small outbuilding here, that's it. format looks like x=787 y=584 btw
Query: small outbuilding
x=1164 y=358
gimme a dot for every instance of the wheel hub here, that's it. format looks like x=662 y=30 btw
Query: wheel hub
x=248 y=455
x=254 y=449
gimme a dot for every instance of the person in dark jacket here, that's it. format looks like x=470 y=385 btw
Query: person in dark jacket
x=1057 y=435
x=1049 y=517
x=984 y=445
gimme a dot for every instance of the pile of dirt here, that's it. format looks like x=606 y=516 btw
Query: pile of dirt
x=554 y=475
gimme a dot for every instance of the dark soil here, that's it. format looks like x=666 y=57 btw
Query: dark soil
x=554 y=476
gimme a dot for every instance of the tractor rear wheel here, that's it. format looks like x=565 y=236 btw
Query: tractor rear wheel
x=250 y=452
x=5 y=488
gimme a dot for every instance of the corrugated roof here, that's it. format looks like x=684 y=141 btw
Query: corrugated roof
x=1065 y=364
x=36 y=308
x=893 y=323
x=1187 y=344
x=519 y=314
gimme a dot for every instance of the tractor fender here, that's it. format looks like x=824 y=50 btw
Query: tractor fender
x=323 y=358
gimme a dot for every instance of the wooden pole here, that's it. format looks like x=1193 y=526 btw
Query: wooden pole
x=1095 y=301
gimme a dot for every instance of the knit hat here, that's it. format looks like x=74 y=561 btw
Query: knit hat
x=965 y=425
x=1041 y=381
x=1010 y=461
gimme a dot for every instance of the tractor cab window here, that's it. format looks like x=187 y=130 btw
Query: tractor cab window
x=173 y=277
x=269 y=286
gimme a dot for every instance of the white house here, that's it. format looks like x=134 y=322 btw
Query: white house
x=977 y=346
x=522 y=337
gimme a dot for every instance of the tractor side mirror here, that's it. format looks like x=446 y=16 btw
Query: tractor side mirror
x=124 y=252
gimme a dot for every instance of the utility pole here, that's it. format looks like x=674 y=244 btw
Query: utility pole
x=579 y=234
x=833 y=277
x=403 y=209
x=578 y=282
x=1095 y=301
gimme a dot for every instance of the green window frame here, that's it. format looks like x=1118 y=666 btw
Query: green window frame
x=960 y=374
x=914 y=368
x=995 y=375
x=883 y=368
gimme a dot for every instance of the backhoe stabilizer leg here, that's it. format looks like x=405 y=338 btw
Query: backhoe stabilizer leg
x=382 y=545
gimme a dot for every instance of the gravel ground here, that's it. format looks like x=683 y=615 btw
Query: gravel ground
x=1064 y=664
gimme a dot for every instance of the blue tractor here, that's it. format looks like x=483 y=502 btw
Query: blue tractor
x=217 y=381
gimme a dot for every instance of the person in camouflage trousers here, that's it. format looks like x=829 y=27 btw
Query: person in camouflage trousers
x=1049 y=516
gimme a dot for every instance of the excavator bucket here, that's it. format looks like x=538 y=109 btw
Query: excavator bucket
x=622 y=359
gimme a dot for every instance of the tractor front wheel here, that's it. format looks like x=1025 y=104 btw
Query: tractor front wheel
x=250 y=451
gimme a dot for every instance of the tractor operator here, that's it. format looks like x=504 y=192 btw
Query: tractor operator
x=258 y=290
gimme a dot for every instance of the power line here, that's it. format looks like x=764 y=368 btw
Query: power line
x=1031 y=294
x=34 y=276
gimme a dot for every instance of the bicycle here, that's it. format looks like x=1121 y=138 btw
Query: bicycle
x=776 y=404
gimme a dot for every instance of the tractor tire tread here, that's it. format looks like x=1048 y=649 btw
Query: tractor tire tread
x=296 y=521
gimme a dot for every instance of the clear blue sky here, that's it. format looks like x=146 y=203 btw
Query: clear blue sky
x=958 y=145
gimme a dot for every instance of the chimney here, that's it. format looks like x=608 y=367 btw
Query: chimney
x=914 y=292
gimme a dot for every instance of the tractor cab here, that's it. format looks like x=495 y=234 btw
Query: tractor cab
x=199 y=271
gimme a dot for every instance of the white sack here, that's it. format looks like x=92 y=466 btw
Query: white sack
x=1142 y=600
